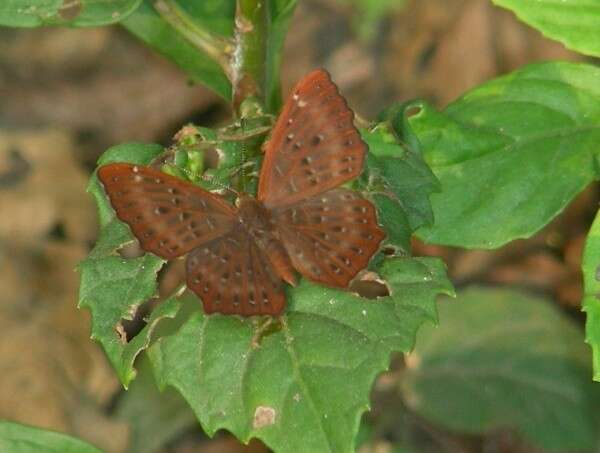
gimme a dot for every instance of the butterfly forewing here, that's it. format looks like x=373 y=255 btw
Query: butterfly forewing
x=314 y=146
x=167 y=215
x=233 y=276
x=331 y=237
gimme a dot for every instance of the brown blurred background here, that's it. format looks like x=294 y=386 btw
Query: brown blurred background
x=68 y=94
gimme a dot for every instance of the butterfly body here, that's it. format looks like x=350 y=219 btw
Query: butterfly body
x=255 y=218
x=258 y=223
x=300 y=222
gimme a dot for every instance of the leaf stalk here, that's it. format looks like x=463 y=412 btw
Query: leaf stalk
x=216 y=47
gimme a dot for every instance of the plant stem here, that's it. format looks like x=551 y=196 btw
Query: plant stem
x=243 y=58
x=248 y=64
x=218 y=48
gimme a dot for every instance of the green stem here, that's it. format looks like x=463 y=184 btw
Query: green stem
x=248 y=65
x=218 y=48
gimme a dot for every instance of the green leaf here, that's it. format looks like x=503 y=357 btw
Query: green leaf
x=591 y=300
x=280 y=15
x=17 y=438
x=77 y=13
x=394 y=220
x=501 y=358
x=511 y=154
x=113 y=287
x=214 y=16
x=155 y=418
x=575 y=23
x=301 y=385
x=399 y=183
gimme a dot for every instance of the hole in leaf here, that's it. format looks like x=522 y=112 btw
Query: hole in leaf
x=370 y=286
x=413 y=111
x=130 y=250
x=129 y=328
x=70 y=9
x=391 y=250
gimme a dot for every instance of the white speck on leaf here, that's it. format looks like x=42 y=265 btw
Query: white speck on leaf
x=297 y=397
x=263 y=416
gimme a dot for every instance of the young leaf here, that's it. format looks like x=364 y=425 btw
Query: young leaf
x=399 y=183
x=75 y=13
x=504 y=359
x=214 y=16
x=17 y=438
x=301 y=383
x=113 y=287
x=511 y=154
x=575 y=23
x=591 y=300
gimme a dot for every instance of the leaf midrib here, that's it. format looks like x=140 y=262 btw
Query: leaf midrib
x=289 y=339
x=519 y=142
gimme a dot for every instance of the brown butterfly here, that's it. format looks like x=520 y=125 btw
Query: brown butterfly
x=301 y=220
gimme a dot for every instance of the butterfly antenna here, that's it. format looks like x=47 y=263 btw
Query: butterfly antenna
x=209 y=178
x=221 y=185
x=243 y=169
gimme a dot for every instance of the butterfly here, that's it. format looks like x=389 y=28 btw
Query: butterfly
x=239 y=257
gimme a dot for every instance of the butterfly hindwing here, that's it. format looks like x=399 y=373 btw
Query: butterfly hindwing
x=167 y=215
x=331 y=237
x=233 y=276
x=314 y=145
